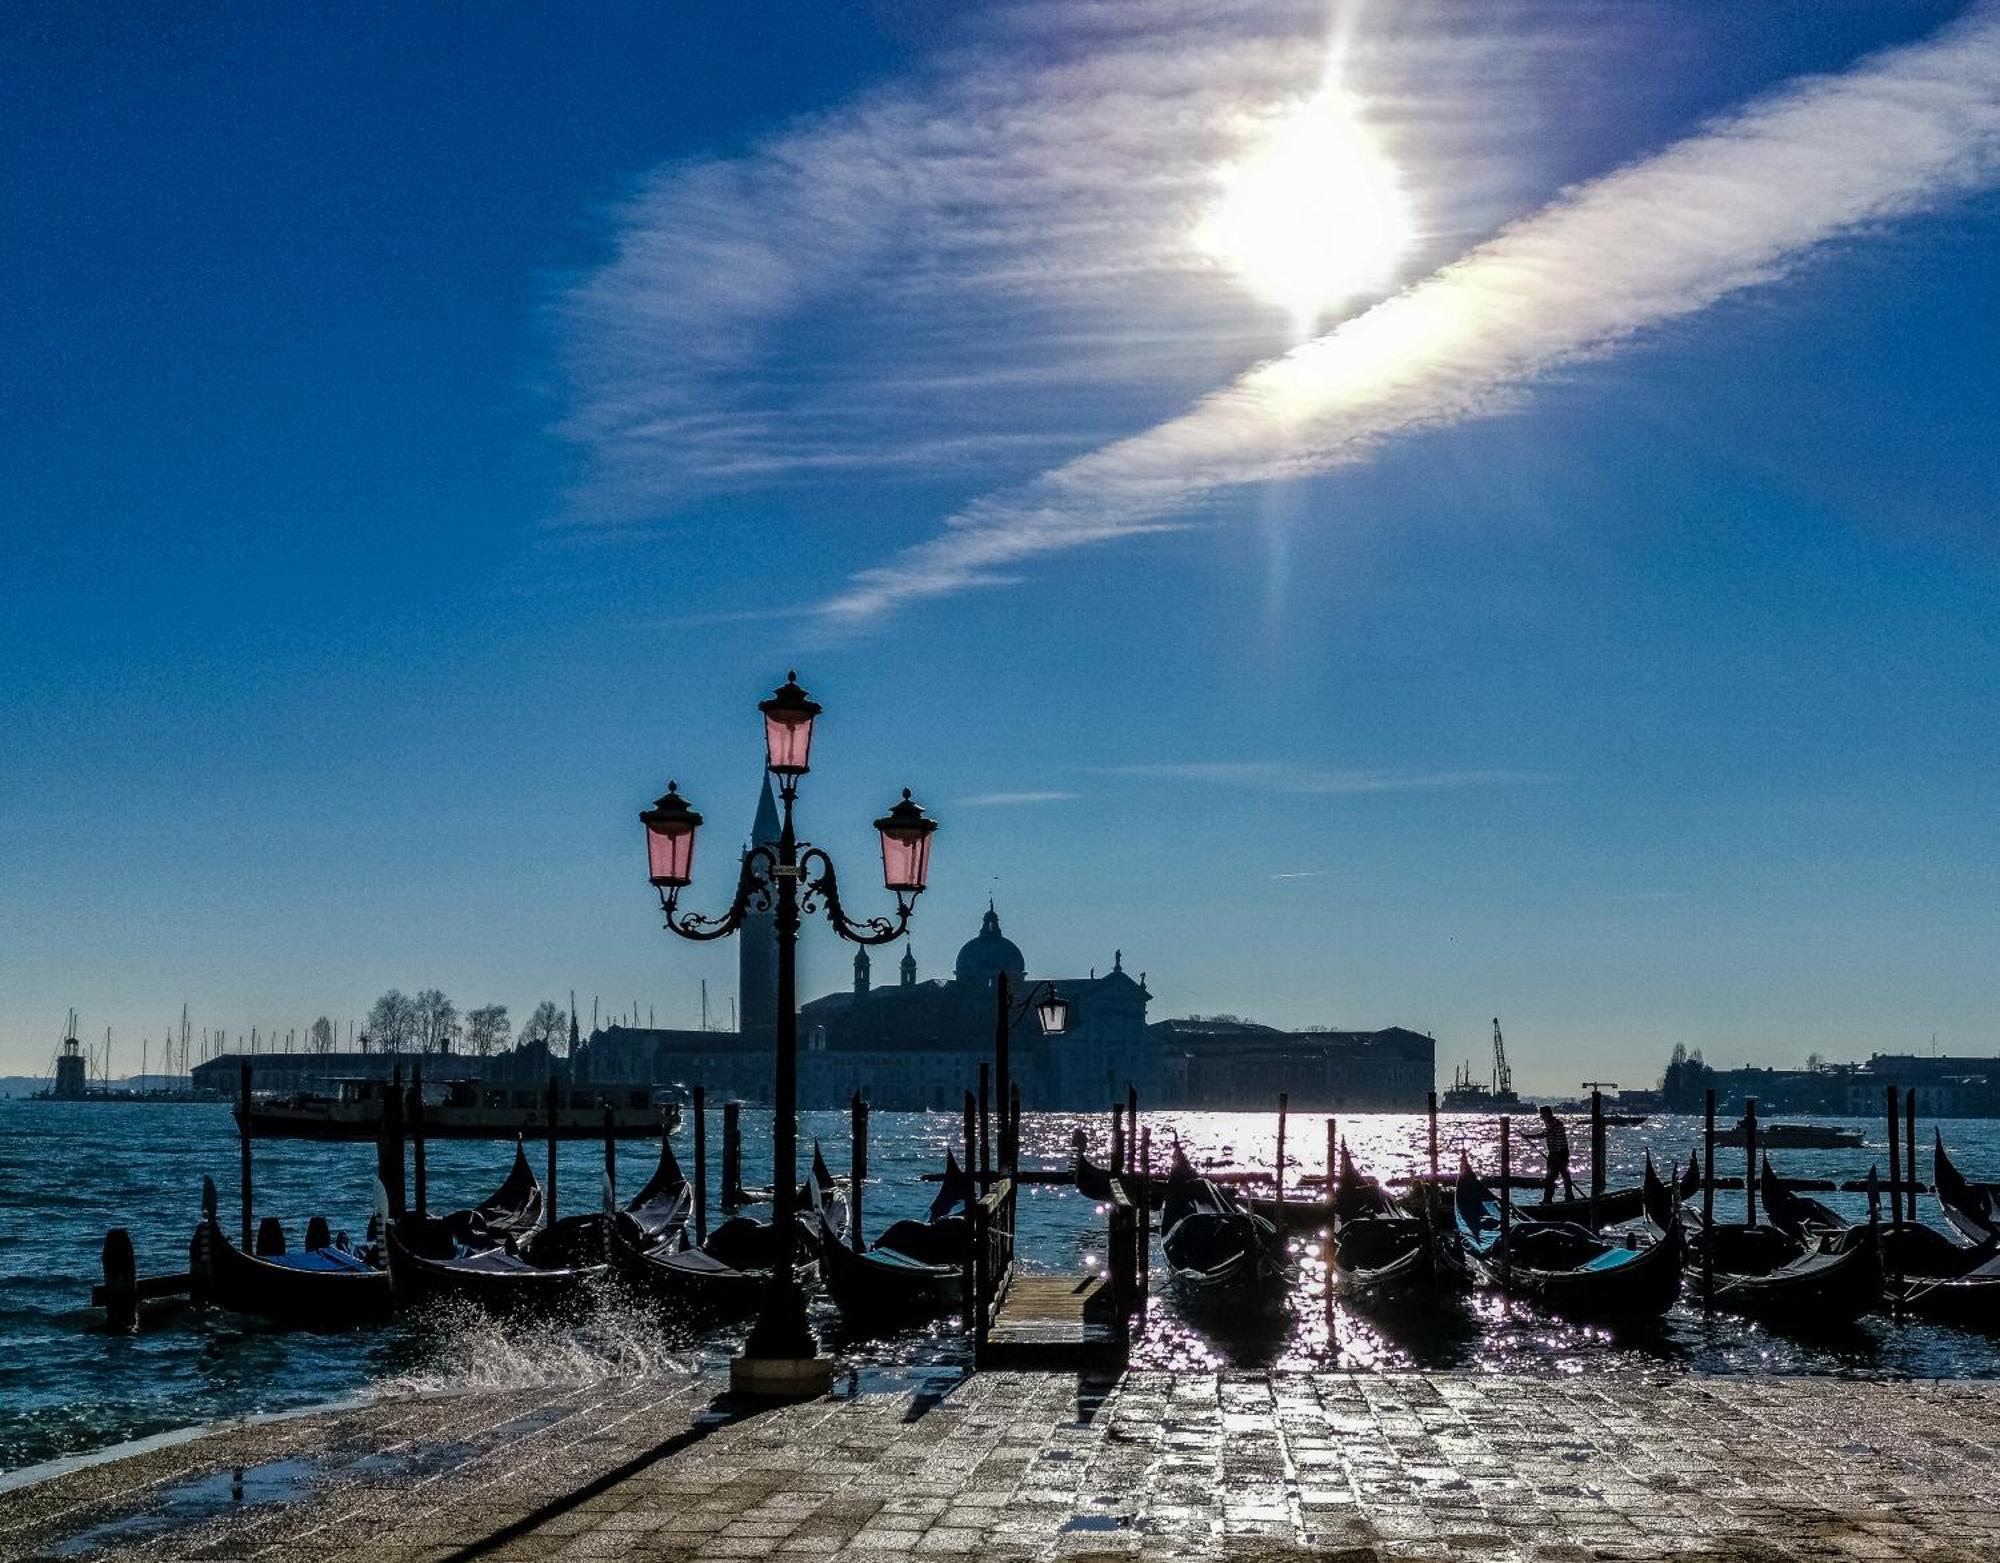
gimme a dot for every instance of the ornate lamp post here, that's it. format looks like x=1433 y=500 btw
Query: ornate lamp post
x=793 y=879
x=1052 y=1013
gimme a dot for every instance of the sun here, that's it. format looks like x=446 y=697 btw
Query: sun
x=1313 y=216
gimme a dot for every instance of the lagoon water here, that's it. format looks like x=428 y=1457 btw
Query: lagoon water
x=69 y=1171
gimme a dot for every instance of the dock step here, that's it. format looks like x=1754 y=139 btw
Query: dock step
x=1056 y=1323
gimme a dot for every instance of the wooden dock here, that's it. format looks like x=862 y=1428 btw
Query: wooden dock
x=1056 y=1323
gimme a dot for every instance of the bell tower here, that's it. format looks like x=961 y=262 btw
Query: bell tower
x=757 y=940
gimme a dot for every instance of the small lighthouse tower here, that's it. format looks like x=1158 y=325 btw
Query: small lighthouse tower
x=70 y=1069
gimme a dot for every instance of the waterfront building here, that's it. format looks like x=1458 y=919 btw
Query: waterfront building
x=1239 y=1064
x=1946 y=1085
x=916 y=1043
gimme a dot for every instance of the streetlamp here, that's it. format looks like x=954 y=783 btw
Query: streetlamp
x=781 y=1356
x=1052 y=1013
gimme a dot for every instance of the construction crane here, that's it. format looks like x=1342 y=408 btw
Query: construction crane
x=1503 y=1077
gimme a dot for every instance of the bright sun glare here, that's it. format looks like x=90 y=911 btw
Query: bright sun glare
x=1311 y=217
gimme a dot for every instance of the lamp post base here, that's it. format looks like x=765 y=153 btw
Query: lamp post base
x=780 y=1378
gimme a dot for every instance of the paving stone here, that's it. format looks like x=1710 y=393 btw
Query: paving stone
x=1249 y=1466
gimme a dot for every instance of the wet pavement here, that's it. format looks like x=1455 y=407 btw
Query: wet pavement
x=898 y=1467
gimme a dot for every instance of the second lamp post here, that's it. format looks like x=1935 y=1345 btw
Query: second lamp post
x=791 y=879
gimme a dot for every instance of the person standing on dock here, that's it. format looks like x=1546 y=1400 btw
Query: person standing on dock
x=1557 y=1162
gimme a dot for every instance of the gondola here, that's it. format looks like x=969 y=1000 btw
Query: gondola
x=1771 y=1273
x=1384 y=1251
x=1093 y=1180
x=1567 y=1267
x=941 y=1237
x=462 y=1258
x=328 y=1284
x=725 y=1276
x=516 y=1206
x=1614 y=1206
x=551 y=1270
x=1799 y=1215
x=1973 y=1209
x=1931 y=1275
x=1926 y=1271
x=325 y=1285
x=914 y=1271
x=1353 y=1196
x=658 y=1214
x=1217 y=1249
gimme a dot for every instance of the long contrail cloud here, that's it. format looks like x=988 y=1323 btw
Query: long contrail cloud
x=1731 y=207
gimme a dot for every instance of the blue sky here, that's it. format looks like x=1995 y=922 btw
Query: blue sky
x=425 y=432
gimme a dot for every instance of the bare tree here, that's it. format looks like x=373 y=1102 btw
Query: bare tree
x=320 y=1035
x=392 y=1022
x=548 y=1024
x=487 y=1029
x=436 y=1021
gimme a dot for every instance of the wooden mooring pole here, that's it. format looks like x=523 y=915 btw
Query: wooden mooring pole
x=610 y=1163
x=1278 y=1163
x=1131 y=1120
x=1895 y=1193
x=700 y=1165
x=1506 y=1198
x=1910 y=1149
x=972 y=1138
x=1596 y=1155
x=732 y=1156
x=1003 y=1073
x=857 y=1171
x=420 y=1184
x=243 y=1136
x=392 y=1138
x=1431 y=1116
x=1117 y=1138
x=121 y=1283
x=1749 y=1161
x=549 y=1200
x=1708 y=1200
x=1332 y=1166
x=1146 y=1210
x=985 y=1131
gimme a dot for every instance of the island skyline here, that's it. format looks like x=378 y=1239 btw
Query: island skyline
x=1385 y=519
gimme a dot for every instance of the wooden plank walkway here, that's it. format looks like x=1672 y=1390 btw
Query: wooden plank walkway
x=1056 y=1323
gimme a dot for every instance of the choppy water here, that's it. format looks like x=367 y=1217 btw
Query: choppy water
x=68 y=1172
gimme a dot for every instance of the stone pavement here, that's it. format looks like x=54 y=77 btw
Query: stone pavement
x=920 y=1468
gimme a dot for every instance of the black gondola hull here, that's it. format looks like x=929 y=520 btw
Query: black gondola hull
x=877 y=1291
x=223 y=1276
x=431 y=1279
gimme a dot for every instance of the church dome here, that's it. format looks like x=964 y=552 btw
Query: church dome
x=989 y=953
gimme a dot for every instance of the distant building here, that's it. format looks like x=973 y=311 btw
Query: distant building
x=1822 y=1090
x=1238 y=1064
x=916 y=1044
x=1946 y=1085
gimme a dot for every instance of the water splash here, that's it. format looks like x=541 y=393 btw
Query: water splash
x=615 y=1337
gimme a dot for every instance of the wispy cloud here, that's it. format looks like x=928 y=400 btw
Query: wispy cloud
x=1001 y=800
x=980 y=271
x=1731 y=207
x=1280 y=776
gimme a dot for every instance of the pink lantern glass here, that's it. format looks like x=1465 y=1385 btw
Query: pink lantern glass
x=788 y=728
x=906 y=847
x=670 y=827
